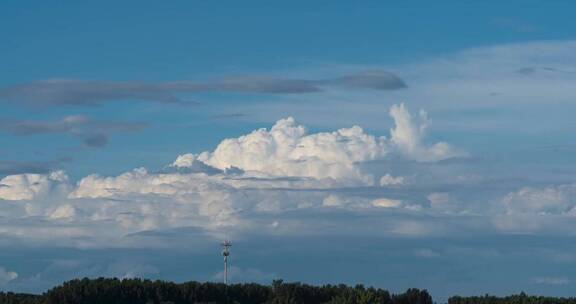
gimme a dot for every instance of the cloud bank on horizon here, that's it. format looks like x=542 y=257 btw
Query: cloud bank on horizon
x=261 y=173
x=252 y=183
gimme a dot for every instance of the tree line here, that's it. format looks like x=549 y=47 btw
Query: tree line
x=138 y=291
x=521 y=298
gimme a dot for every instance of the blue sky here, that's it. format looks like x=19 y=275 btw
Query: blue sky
x=134 y=137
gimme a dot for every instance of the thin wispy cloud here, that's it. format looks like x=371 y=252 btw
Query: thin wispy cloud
x=76 y=92
x=93 y=133
x=228 y=116
x=8 y=167
x=516 y=25
x=551 y=281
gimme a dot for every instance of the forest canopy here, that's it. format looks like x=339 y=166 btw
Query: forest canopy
x=138 y=291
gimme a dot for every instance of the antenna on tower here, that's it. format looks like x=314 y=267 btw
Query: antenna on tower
x=226 y=252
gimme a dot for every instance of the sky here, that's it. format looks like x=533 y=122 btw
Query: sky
x=415 y=144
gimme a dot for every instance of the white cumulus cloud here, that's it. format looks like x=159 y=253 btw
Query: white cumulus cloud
x=288 y=150
x=245 y=183
x=408 y=135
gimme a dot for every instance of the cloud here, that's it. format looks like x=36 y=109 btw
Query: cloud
x=245 y=185
x=89 y=93
x=551 y=281
x=533 y=70
x=408 y=133
x=66 y=211
x=238 y=275
x=17 y=167
x=426 y=253
x=515 y=25
x=95 y=140
x=377 y=80
x=358 y=202
x=93 y=133
x=476 y=89
x=526 y=70
x=7 y=276
x=386 y=203
x=529 y=210
x=287 y=149
x=464 y=80
x=26 y=127
x=556 y=200
x=333 y=201
x=30 y=186
x=82 y=92
x=224 y=116
x=67 y=268
x=128 y=269
x=389 y=180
